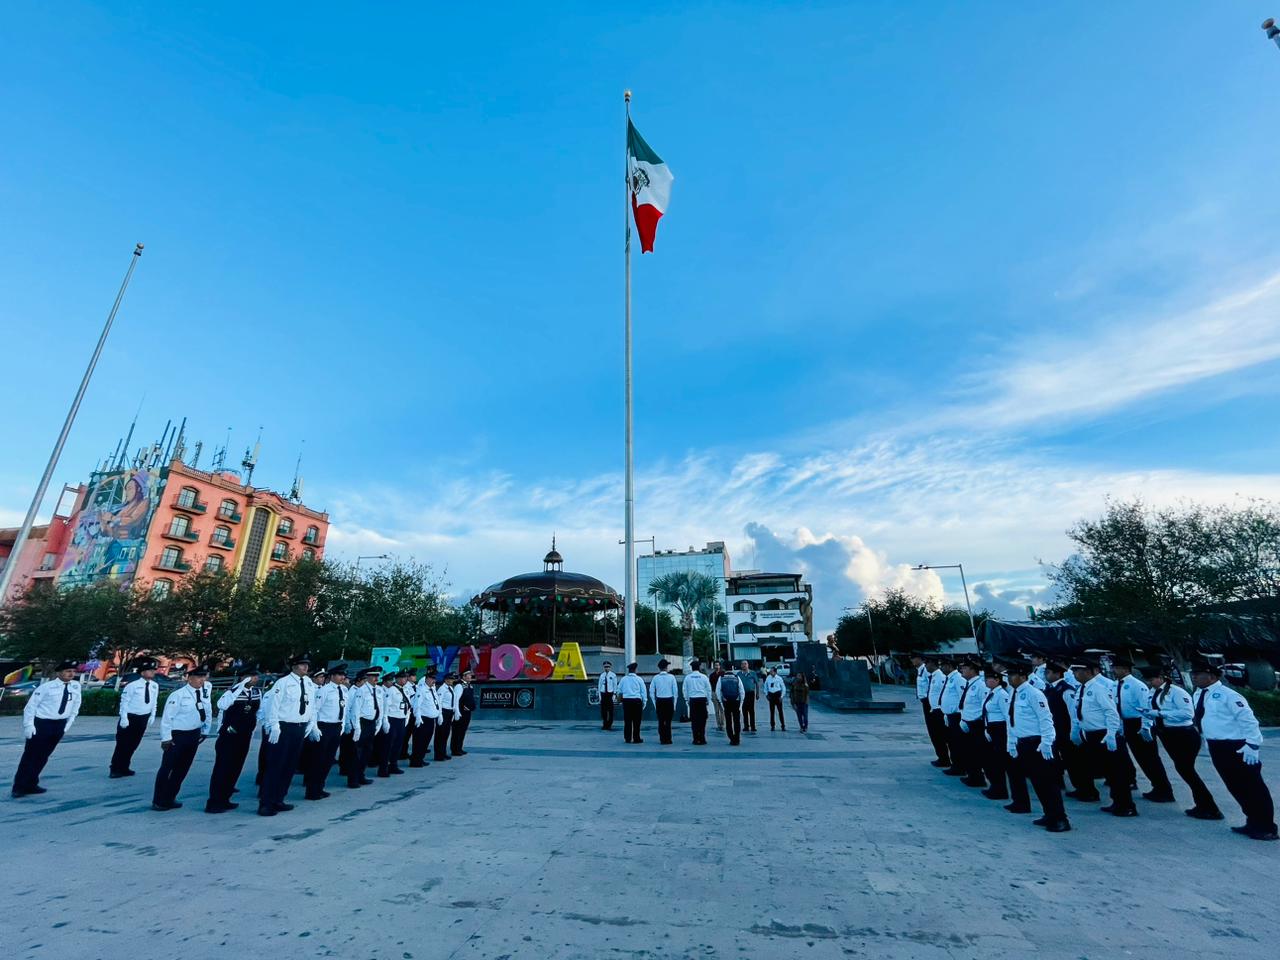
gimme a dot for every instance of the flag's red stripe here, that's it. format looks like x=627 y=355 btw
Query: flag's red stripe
x=647 y=217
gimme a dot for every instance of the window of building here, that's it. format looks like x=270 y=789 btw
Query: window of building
x=213 y=564
x=308 y=554
x=49 y=562
x=179 y=527
x=222 y=535
x=171 y=557
x=161 y=587
x=313 y=534
x=188 y=497
x=286 y=526
x=744 y=605
x=280 y=552
x=228 y=509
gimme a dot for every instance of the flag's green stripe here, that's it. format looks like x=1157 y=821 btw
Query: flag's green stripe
x=638 y=148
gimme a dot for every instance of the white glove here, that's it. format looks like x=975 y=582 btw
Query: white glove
x=1250 y=755
x=964 y=726
x=152 y=720
x=355 y=734
x=987 y=734
x=313 y=734
x=1147 y=735
x=1046 y=750
x=1110 y=741
x=273 y=733
x=1013 y=752
x=1077 y=738
x=29 y=730
x=124 y=723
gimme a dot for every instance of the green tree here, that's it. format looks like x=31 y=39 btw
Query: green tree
x=47 y=625
x=900 y=621
x=671 y=640
x=695 y=597
x=212 y=617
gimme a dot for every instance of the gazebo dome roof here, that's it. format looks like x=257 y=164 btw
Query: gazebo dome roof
x=551 y=586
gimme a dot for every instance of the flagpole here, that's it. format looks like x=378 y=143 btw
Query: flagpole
x=6 y=575
x=629 y=494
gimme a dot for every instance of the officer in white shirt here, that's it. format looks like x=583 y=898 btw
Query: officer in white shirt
x=634 y=696
x=427 y=710
x=971 y=723
x=949 y=705
x=995 y=757
x=51 y=709
x=411 y=722
x=1133 y=697
x=1029 y=738
x=1168 y=718
x=1228 y=725
x=321 y=747
x=773 y=691
x=607 y=685
x=138 y=700
x=1038 y=678
x=365 y=719
x=934 y=720
x=448 y=706
x=186 y=721
x=289 y=714
x=238 y=711
x=697 y=695
x=399 y=708
x=1095 y=728
x=663 y=689
x=922 y=683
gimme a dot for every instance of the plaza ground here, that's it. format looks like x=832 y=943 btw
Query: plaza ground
x=559 y=841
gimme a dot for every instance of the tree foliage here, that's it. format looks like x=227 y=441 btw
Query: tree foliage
x=900 y=621
x=696 y=599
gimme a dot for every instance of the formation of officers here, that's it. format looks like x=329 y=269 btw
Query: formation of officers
x=304 y=723
x=1001 y=726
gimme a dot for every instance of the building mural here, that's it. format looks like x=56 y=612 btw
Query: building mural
x=109 y=533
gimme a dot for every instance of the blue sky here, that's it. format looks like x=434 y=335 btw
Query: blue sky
x=935 y=280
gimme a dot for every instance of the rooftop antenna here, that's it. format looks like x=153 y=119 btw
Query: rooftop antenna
x=195 y=456
x=124 y=451
x=251 y=459
x=295 y=492
x=179 y=444
x=220 y=455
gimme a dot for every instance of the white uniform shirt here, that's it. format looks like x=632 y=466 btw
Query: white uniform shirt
x=53 y=700
x=773 y=684
x=140 y=697
x=1134 y=697
x=331 y=703
x=1037 y=679
x=972 y=693
x=995 y=704
x=1094 y=708
x=399 y=705
x=1028 y=715
x=608 y=682
x=922 y=682
x=631 y=687
x=428 y=703
x=1226 y=715
x=697 y=686
x=264 y=708
x=663 y=686
x=936 y=680
x=448 y=698
x=949 y=699
x=365 y=704
x=1171 y=705
x=293 y=700
x=187 y=709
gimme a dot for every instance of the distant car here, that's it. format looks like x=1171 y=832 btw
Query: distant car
x=21 y=689
x=782 y=666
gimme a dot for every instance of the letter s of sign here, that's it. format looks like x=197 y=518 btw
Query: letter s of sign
x=538 y=663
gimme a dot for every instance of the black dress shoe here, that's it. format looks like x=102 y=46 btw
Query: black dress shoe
x=1198 y=814
x=994 y=795
x=939 y=763
x=953 y=772
x=1084 y=797
x=639 y=741
x=384 y=776
x=365 y=781
x=415 y=764
x=1263 y=835
x=1246 y=830
x=1152 y=797
x=970 y=782
x=1120 y=811
x=37 y=790
x=265 y=811
x=459 y=753
x=216 y=807
x=1058 y=826
x=166 y=806
x=396 y=771
x=284 y=807
x=116 y=775
x=1014 y=808
x=1041 y=821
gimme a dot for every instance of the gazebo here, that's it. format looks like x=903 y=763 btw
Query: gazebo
x=551 y=592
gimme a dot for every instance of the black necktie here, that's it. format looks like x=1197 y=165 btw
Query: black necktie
x=341 y=698
x=404 y=701
x=1013 y=702
x=374 y=690
x=1080 y=704
x=302 y=697
x=964 y=693
x=146 y=691
x=1199 y=714
x=1120 y=697
x=200 y=705
x=990 y=693
x=66 y=697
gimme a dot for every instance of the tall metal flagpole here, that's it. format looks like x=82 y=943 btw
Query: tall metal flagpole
x=629 y=582
x=6 y=575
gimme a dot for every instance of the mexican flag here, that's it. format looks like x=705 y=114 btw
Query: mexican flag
x=650 y=181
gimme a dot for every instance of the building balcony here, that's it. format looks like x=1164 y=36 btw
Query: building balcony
x=178 y=566
x=195 y=506
x=285 y=534
x=228 y=543
x=311 y=540
x=231 y=517
x=279 y=557
x=190 y=536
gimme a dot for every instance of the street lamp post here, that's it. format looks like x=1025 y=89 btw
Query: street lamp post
x=1271 y=30
x=347 y=626
x=653 y=544
x=968 y=606
x=871 y=632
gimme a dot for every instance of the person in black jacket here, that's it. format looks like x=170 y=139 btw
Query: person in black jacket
x=465 y=694
x=1061 y=697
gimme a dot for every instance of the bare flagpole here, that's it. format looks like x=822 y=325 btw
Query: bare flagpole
x=629 y=582
x=6 y=575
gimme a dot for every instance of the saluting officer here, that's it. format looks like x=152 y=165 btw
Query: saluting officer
x=365 y=719
x=1227 y=722
x=1133 y=697
x=607 y=685
x=138 y=701
x=290 y=711
x=1095 y=728
x=398 y=710
x=237 y=719
x=427 y=708
x=1029 y=740
x=319 y=753
x=187 y=719
x=50 y=711
x=1170 y=713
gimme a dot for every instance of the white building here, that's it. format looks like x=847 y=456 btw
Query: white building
x=712 y=560
x=769 y=613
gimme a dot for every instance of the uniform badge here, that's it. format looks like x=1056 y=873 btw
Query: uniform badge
x=1217 y=696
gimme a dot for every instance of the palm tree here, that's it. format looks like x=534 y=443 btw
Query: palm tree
x=695 y=597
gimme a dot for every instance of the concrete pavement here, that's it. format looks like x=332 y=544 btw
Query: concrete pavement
x=559 y=841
